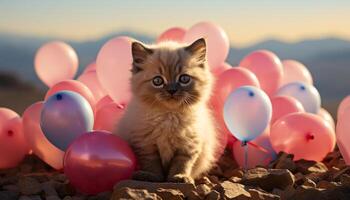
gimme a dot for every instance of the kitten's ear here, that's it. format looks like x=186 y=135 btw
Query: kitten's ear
x=140 y=52
x=198 y=49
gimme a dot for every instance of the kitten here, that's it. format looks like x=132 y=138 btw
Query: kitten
x=167 y=122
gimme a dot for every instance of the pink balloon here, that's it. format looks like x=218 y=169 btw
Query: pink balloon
x=217 y=41
x=104 y=101
x=326 y=116
x=295 y=71
x=108 y=117
x=96 y=161
x=284 y=105
x=221 y=68
x=90 y=68
x=260 y=151
x=113 y=66
x=305 y=135
x=91 y=81
x=267 y=67
x=37 y=140
x=55 y=62
x=75 y=86
x=172 y=34
x=343 y=136
x=344 y=104
x=13 y=146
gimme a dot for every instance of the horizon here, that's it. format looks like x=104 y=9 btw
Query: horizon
x=246 y=23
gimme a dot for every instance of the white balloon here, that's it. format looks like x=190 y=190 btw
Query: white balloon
x=307 y=95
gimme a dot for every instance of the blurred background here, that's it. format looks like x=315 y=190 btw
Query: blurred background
x=315 y=32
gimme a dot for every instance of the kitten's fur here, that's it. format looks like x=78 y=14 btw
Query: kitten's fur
x=172 y=135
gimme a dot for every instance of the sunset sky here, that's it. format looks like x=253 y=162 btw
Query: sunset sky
x=246 y=22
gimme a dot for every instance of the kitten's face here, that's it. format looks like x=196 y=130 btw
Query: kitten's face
x=170 y=75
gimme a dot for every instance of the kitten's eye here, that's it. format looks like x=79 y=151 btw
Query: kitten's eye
x=158 y=82
x=185 y=79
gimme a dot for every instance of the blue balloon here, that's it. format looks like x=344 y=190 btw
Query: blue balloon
x=305 y=93
x=65 y=116
x=247 y=112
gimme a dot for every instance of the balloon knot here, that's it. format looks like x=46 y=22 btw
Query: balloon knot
x=310 y=136
x=251 y=94
x=121 y=106
x=59 y=97
x=244 y=143
x=10 y=133
x=302 y=87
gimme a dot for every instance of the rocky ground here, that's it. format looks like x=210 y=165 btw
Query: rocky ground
x=282 y=179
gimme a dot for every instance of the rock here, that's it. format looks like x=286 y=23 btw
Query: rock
x=261 y=195
x=326 y=185
x=137 y=194
x=214 y=179
x=340 y=172
x=309 y=183
x=307 y=167
x=299 y=178
x=230 y=190
x=64 y=189
x=67 y=198
x=268 y=179
x=216 y=171
x=52 y=198
x=203 y=190
x=24 y=198
x=284 y=161
x=49 y=188
x=14 y=188
x=203 y=180
x=29 y=186
x=101 y=196
x=345 y=179
x=59 y=178
x=170 y=194
x=233 y=173
x=213 y=195
x=8 y=195
x=26 y=168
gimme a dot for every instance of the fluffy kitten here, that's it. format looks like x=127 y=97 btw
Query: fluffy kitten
x=167 y=122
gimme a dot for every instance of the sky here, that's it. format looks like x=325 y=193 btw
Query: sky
x=246 y=22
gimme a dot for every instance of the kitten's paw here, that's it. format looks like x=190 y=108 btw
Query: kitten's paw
x=147 y=176
x=180 y=178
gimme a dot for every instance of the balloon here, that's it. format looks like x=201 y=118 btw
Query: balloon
x=96 y=161
x=13 y=146
x=173 y=34
x=227 y=82
x=295 y=71
x=104 y=101
x=284 y=105
x=247 y=112
x=305 y=93
x=55 y=62
x=221 y=68
x=90 y=68
x=327 y=117
x=260 y=151
x=74 y=86
x=267 y=67
x=108 y=116
x=217 y=41
x=37 y=140
x=344 y=104
x=65 y=116
x=343 y=136
x=305 y=135
x=90 y=80
x=113 y=67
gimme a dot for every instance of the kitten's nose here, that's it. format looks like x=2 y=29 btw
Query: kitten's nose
x=172 y=88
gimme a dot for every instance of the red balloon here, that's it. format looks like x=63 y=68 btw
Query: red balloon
x=173 y=34
x=96 y=161
x=37 y=140
x=91 y=81
x=305 y=135
x=108 y=117
x=343 y=136
x=284 y=105
x=267 y=67
x=90 y=68
x=104 y=101
x=220 y=69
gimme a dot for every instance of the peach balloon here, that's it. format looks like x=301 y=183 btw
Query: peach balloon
x=217 y=41
x=5 y=115
x=220 y=69
x=344 y=104
x=37 y=140
x=227 y=82
x=108 y=117
x=13 y=146
x=90 y=68
x=173 y=34
x=104 y=101
x=260 y=151
x=91 y=81
x=113 y=67
x=284 y=105
x=326 y=116
x=305 y=135
x=295 y=71
x=343 y=136
x=55 y=62
x=75 y=86
x=267 y=67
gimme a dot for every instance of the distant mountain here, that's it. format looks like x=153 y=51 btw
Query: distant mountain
x=328 y=59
